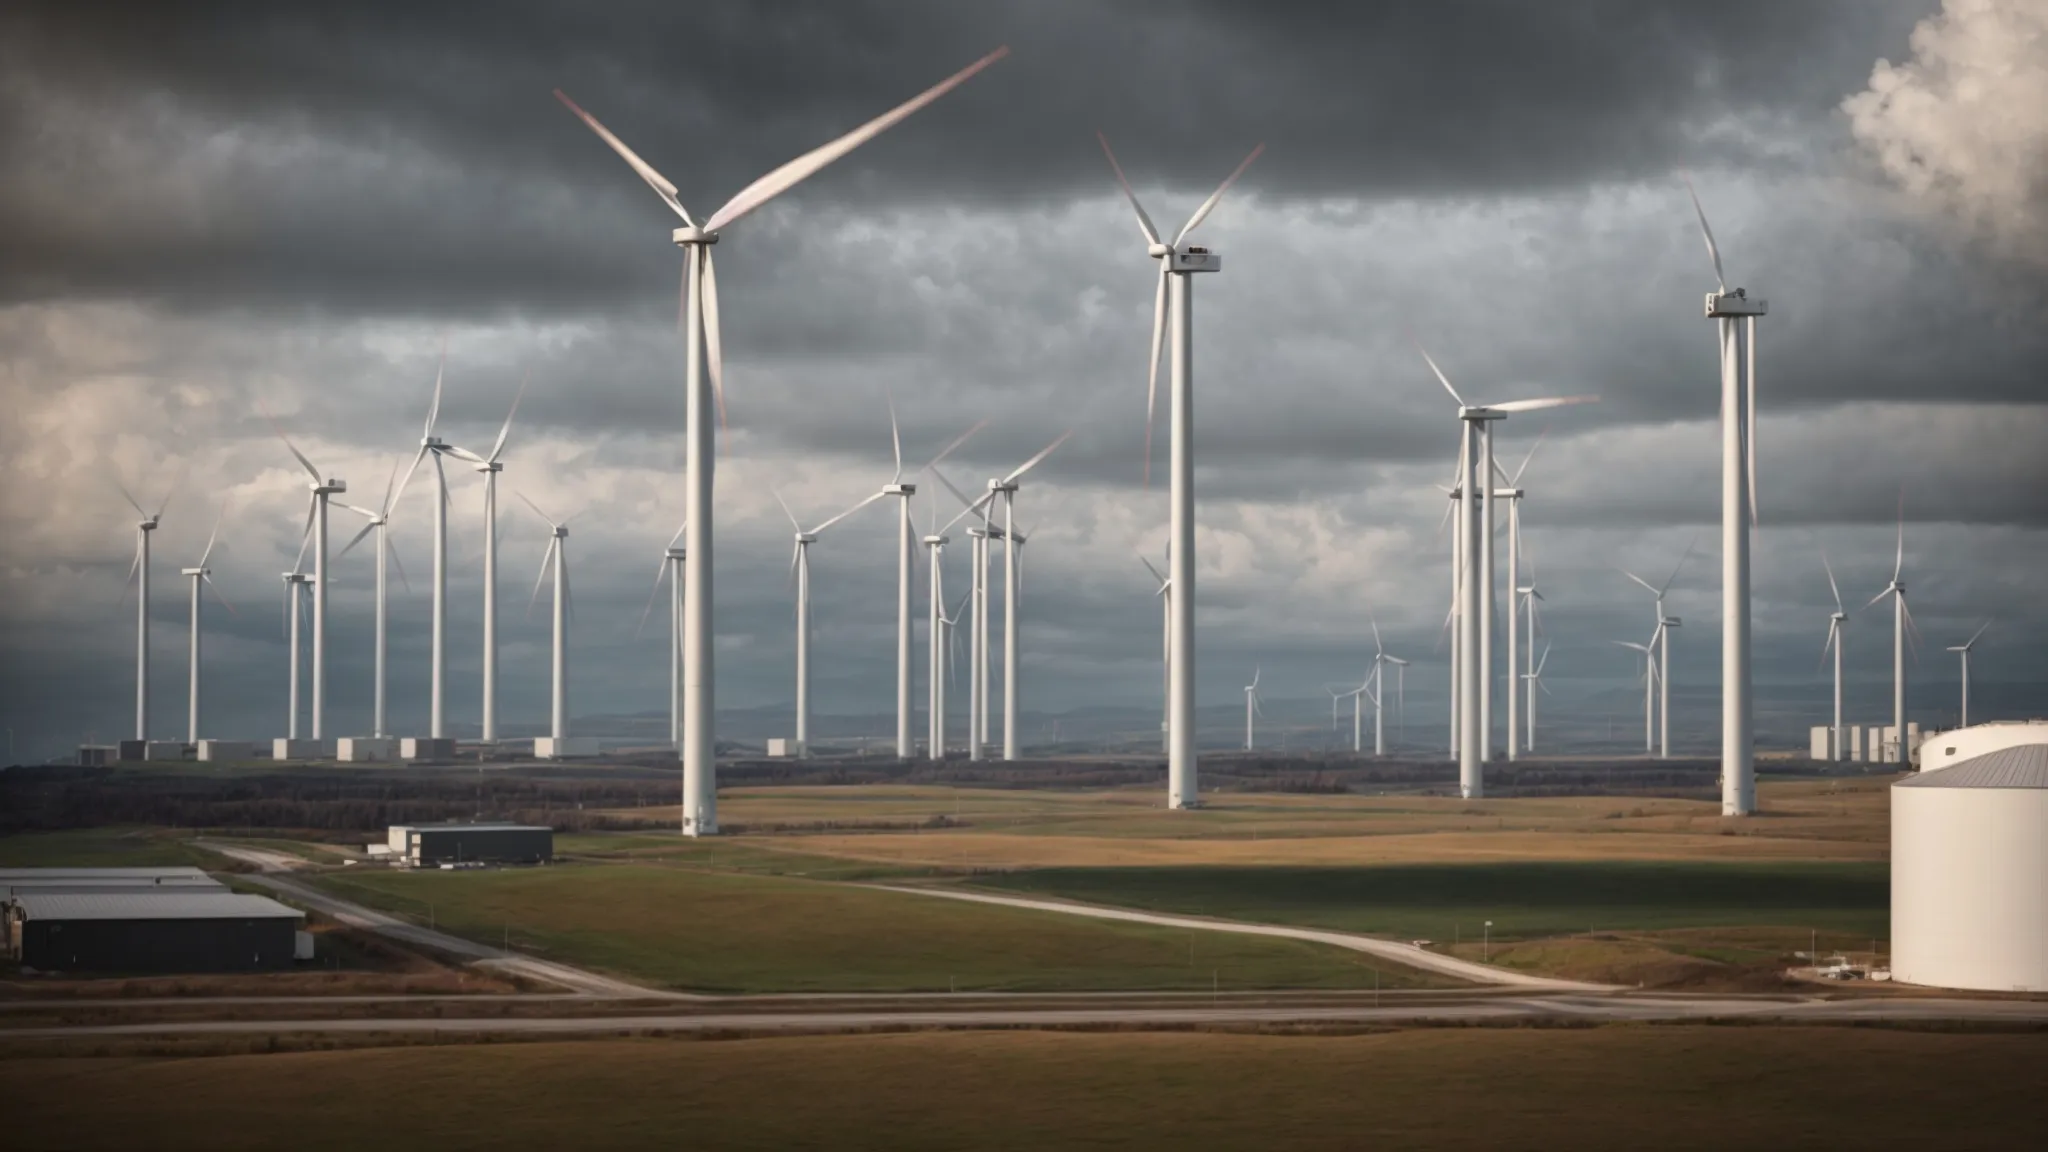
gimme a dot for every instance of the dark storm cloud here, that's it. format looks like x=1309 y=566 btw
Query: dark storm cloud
x=448 y=178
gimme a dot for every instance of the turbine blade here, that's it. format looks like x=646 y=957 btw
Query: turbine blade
x=850 y=511
x=1152 y=369
x=176 y=485
x=1377 y=648
x=1144 y=221
x=1899 y=560
x=655 y=180
x=1876 y=598
x=358 y=539
x=1543 y=659
x=1690 y=545
x=1832 y=587
x=956 y=442
x=684 y=527
x=773 y=491
x=463 y=454
x=714 y=355
x=895 y=437
x=1538 y=405
x=782 y=179
x=215 y=589
x=1638 y=579
x=1153 y=571
x=1749 y=418
x=391 y=547
x=957 y=494
x=970 y=510
x=307 y=464
x=1977 y=633
x=536 y=509
x=127 y=495
x=1516 y=480
x=1445 y=380
x=505 y=431
x=440 y=372
x=421 y=455
x=214 y=535
x=546 y=558
x=1028 y=465
x=649 y=610
x=1215 y=197
x=1706 y=232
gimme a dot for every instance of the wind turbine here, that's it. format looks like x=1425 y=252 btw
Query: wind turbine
x=1165 y=594
x=1963 y=649
x=672 y=559
x=295 y=583
x=319 y=490
x=1836 y=625
x=1251 y=708
x=490 y=466
x=1513 y=495
x=555 y=562
x=800 y=573
x=935 y=642
x=1173 y=314
x=950 y=645
x=1902 y=620
x=1475 y=653
x=1380 y=661
x=430 y=444
x=1649 y=652
x=1535 y=678
x=1013 y=546
x=905 y=533
x=1661 y=640
x=200 y=574
x=140 y=569
x=387 y=556
x=1531 y=597
x=1736 y=314
x=701 y=342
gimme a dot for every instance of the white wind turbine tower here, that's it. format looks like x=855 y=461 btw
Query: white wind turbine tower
x=1963 y=650
x=671 y=568
x=490 y=466
x=1529 y=597
x=1736 y=315
x=800 y=574
x=1013 y=575
x=1513 y=495
x=198 y=575
x=295 y=583
x=1535 y=678
x=935 y=642
x=1902 y=622
x=1173 y=314
x=1165 y=594
x=555 y=562
x=702 y=351
x=948 y=626
x=437 y=723
x=1475 y=668
x=387 y=557
x=1837 y=622
x=905 y=558
x=1661 y=641
x=140 y=569
x=1649 y=652
x=319 y=490
x=1251 y=707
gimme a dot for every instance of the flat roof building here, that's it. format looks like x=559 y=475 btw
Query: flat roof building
x=432 y=845
x=163 y=930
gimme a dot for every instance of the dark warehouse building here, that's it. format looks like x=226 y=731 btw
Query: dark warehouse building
x=164 y=931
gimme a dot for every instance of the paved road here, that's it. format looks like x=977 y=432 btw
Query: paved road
x=275 y=864
x=1404 y=954
x=1657 y=1009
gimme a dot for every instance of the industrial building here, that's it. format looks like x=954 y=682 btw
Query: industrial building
x=1970 y=870
x=170 y=929
x=22 y=881
x=433 y=845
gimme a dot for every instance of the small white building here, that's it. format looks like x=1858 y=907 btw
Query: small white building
x=1970 y=872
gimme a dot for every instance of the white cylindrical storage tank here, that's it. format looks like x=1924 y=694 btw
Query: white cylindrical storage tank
x=1970 y=873
x=1958 y=744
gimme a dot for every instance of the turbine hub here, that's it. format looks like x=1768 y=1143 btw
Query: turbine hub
x=936 y=541
x=1157 y=250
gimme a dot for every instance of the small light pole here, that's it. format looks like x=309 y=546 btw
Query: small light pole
x=1486 y=943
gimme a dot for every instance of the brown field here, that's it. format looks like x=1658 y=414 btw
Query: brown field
x=1593 y=1088
x=977 y=828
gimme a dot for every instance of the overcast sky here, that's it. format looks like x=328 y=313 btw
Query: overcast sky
x=210 y=208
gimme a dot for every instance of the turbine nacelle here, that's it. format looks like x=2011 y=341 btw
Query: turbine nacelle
x=677 y=554
x=204 y=571
x=328 y=487
x=899 y=489
x=148 y=525
x=489 y=466
x=687 y=235
x=806 y=537
x=1194 y=259
x=1734 y=302
x=1472 y=413
x=297 y=578
x=937 y=541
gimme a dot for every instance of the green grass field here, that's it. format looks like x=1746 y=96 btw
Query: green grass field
x=731 y=932
x=1670 y=1088
x=103 y=848
x=1523 y=900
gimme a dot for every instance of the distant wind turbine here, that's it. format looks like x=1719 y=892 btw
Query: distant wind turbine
x=906 y=534
x=800 y=575
x=1513 y=495
x=200 y=574
x=139 y=571
x=671 y=569
x=555 y=563
x=1902 y=625
x=490 y=466
x=1535 y=678
x=1837 y=624
x=1649 y=652
x=1661 y=641
x=1963 y=650
x=1251 y=708
x=387 y=556
x=319 y=491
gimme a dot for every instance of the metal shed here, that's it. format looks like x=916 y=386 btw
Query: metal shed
x=161 y=931
x=431 y=845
